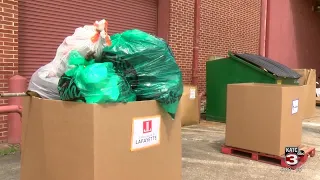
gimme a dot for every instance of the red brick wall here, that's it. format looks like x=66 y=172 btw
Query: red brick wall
x=225 y=25
x=181 y=34
x=228 y=25
x=8 y=52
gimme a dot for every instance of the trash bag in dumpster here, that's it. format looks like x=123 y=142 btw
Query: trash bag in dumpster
x=148 y=64
x=94 y=83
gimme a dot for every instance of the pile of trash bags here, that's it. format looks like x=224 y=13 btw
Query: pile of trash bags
x=86 y=40
x=92 y=67
x=92 y=82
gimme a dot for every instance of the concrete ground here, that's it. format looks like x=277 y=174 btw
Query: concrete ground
x=202 y=159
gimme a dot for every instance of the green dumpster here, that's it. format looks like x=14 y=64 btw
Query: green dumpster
x=240 y=68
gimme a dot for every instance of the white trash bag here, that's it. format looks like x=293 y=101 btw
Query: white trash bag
x=87 y=39
x=44 y=83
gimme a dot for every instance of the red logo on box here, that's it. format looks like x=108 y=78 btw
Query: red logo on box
x=147 y=126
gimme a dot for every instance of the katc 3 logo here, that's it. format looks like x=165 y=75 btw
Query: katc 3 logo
x=292 y=159
x=293 y=155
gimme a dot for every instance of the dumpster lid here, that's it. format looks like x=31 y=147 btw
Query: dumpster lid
x=271 y=66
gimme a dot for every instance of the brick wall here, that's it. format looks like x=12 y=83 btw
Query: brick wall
x=181 y=34
x=225 y=25
x=228 y=25
x=8 y=52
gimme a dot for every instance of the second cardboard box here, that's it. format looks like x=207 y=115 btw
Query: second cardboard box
x=264 y=117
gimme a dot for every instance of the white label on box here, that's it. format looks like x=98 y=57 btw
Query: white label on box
x=192 y=93
x=145 y=132
x=295 y=106
x=318 y=92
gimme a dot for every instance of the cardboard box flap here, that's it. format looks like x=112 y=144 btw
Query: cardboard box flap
x=303 y=72
x=308 y=76
x=312 y=77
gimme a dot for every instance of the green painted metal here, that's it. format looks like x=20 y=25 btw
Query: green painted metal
x=230 y=70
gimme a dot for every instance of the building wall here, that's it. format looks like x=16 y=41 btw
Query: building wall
x=225 y=25
x=228 y=25
x=293 y=33
x=181 y=35
x=8 y=51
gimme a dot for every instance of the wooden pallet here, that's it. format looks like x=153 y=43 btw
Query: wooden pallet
x=267 y=158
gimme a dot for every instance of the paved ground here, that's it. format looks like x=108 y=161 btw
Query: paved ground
x=202 y=159
x=10 y=167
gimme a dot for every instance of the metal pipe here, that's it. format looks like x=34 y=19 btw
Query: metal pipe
x=13 y=94
x=11 y=109
x=17 y=84
x=195 y=60
x=263 y=27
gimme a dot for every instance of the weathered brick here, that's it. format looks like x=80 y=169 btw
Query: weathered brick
x=181 y=34
x=14 y=28
x=10 y=10
x=6 y=56
x=232 y=26
x=5 y=14
x=11 y=2
x=8 y=53
x=6 y=64
x=4 y=39
x=10 y=23
x=10 y=19
x=14 y=60
x=11 y=69
x=9 y=6
x=9 y=31
x=14 y=36
x=3 y=89
x=5 y=133
x=224 y=25
x=10 y=43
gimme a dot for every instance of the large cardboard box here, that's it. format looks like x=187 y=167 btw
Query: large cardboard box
x=308 y=80
x=189 y=110
x=264 y=117
x=78 y=141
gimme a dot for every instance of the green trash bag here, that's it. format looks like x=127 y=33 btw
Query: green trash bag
x=94 y=83
x=75 y=59
x=148 y=64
